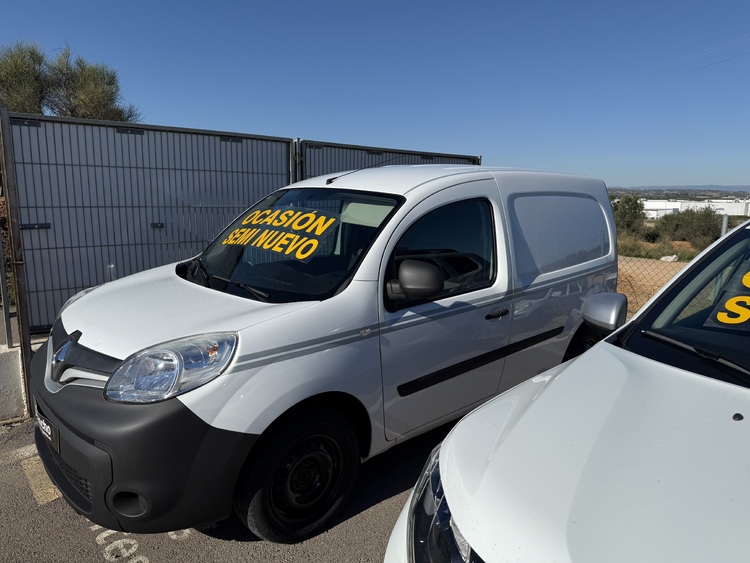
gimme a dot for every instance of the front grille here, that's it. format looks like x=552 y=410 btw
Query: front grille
x=79 y=482
x=89 y=367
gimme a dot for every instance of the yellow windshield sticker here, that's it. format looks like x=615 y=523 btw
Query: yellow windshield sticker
x=733 y=311
x=293 y=232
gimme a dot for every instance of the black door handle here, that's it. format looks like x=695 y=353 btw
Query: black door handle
x=496 y=314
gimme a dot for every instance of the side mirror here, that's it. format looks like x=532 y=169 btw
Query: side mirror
x=416 y=280
x=605 y=311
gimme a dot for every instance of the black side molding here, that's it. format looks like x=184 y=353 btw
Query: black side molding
x=411 y=387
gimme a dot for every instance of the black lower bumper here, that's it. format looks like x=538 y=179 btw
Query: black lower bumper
x=136 y=468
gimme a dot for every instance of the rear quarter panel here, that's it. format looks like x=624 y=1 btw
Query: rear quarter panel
x=570 y=225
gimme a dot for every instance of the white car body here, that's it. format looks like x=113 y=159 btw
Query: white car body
x=392 y=364
x=618 y=455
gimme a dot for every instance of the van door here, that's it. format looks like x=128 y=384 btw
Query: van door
x=556 y=268
x=443 y=355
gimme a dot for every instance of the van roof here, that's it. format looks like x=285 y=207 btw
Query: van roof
x=402 y=179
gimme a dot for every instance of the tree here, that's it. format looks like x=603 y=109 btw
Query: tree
x=629 y=214
x=23 y=78
x=68 y=86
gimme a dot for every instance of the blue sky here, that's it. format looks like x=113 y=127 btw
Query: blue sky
x=643 y=92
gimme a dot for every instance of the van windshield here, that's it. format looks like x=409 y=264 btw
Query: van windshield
x=702 y=324
x=299 y=244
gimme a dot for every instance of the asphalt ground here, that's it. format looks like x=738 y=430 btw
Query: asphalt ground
x=37 y=525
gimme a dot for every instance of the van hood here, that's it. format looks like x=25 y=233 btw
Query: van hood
x=611 y=457
x=122 y=317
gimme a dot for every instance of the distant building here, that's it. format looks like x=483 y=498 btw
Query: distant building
x=655 y=208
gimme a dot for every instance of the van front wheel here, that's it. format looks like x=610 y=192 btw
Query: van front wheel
x=299 y=476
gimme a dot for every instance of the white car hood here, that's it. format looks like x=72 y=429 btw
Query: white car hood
x=124 y=316
x=637 y=461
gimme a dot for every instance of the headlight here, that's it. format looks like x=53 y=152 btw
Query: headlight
x=172 y=368
x=433 y=535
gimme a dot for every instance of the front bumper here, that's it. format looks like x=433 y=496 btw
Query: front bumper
x=398 y=543
x=135 y=468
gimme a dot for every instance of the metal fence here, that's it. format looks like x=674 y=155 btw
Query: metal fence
x=97 y=202
x=640 y=278
x=92 y=201
x=318 y=158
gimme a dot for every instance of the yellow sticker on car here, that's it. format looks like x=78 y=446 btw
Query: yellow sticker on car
x=292 y=232
x=733 y=311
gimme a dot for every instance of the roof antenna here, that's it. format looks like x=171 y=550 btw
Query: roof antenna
x=331 y=180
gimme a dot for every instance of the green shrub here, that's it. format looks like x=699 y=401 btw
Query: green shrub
x=699 y=227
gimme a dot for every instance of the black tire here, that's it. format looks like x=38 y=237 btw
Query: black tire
x=584 y=339
x=299 y=475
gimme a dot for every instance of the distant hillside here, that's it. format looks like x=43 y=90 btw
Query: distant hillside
x=708 y=187
x=683 y=192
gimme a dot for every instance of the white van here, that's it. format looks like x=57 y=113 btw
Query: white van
x=634 y=451
x=333 y=319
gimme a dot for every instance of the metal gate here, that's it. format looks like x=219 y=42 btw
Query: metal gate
x=318 y=158
x=91 y=201
x=100 y=201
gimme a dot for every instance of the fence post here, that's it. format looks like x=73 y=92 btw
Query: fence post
x=724 y=224
x=4 y=292
x=7 y=155
x=3 y=273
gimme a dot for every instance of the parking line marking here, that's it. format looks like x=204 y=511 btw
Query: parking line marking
x=41 y=487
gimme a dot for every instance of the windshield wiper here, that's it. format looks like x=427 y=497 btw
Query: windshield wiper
x=202 y=268
x=260 y=295
x=699 y=351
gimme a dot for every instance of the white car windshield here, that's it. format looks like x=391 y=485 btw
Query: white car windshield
x=294 y=245
x=703 y=322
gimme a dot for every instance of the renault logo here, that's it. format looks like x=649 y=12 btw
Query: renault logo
x=61 y=352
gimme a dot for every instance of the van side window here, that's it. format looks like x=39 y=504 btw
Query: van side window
x=459 y=239
x=555 y=231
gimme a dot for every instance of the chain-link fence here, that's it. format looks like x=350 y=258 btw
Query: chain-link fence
x=641 y=278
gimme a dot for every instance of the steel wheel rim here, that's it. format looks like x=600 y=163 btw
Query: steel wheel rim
x=306 y=478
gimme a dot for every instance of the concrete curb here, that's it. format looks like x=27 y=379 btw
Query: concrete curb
x=12 y=400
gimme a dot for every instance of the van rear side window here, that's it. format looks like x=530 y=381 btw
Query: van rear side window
x=552 y=232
